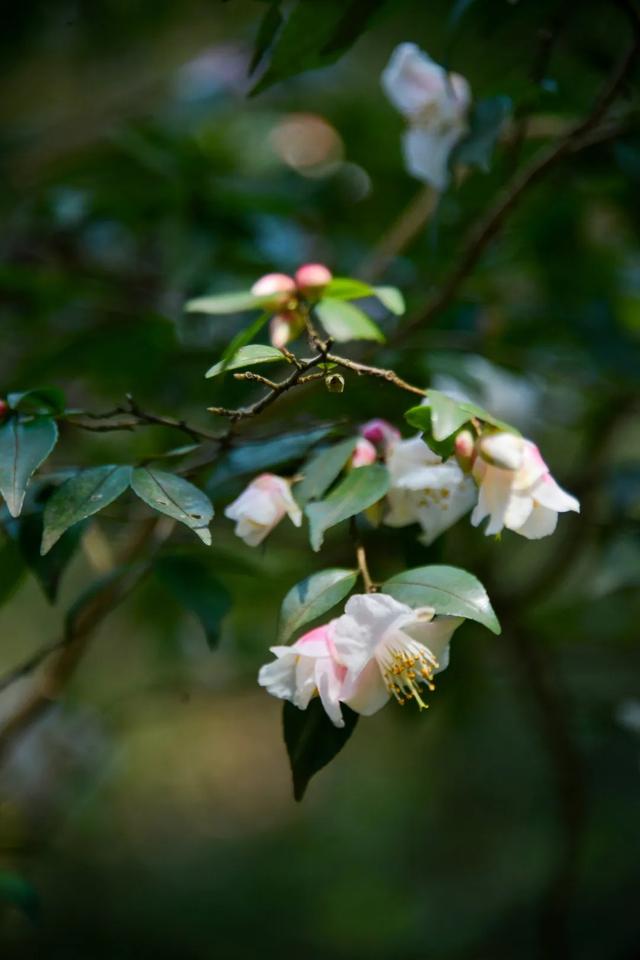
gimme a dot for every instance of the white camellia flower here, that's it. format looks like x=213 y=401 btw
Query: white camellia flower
x=304 y=669
x=426 y=489
x=389 y=649
x=261 y=507
x=517 y=490
x=435 y=103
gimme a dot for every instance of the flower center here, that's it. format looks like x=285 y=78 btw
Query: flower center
x=405 y=668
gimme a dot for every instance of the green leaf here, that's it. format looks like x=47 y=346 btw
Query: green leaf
x=176 y=498
x=194 y=586
x=443 y=415
x=343 y=321
x=252 y=457
x=312 y=741
x=486 y=122
x=347 y=288
x=448 y=590
x=267 y=31
x=391 y=298
x=321 y=469
x=44 y=400
x=17 y=891
x=312 y=597
x=248 y=356
x=226 y=303
x=80 y=497
x=360 y=489
x=315 y=35
x=24 y=445
x=241 y=339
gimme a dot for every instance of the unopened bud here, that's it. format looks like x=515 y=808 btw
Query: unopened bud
x=504 y=450
x=279 y=287
x=464 y=447
x=334 y=383
x=380 y=431
x=312 y=278
x=364 y=454
x=4 y=409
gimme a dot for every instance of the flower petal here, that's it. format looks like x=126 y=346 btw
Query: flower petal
x=367 y=693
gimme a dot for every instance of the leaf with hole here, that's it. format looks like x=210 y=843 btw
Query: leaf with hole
x=448 y=590
x=80 y=497
x=344 y=322
x=249 y=356
x=362 y=488
x=312 y=741
x=312 y=597
x=175 y=497
x=24 y=445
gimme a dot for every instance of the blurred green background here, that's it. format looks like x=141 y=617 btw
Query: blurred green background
x=149 y=813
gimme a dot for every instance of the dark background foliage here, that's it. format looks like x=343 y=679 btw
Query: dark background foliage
x=149 y=812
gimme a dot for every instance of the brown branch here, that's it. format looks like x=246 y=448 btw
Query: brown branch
x=363 y=369
x=275 y=390
x=134 y=416
x=363 y=567
x=484 y=231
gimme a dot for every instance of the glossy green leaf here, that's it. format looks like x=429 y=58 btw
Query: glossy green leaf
x=224 y=303
x=344 y=322
x=321 y=469
x=312 y=741
x=448 y=590
x=312 y=597
x=391 y=298
x=24 y=445
x=249 y=356
x=176 y=498
x=267 y=32
x=48 y=570
x=80 y=497
x=443 y=415
x=44 y=400
x=195 y=587
x=362 y=488
x=347 y=288
x=241 y=340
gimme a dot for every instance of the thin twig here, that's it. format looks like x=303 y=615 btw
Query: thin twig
x=134 y=416
x=363 y=567
x=276 y=390
x=363 y=369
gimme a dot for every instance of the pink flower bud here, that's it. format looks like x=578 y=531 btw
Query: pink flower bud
x=279 y=287
x=280 y=331
x=312 y=277
x=464 y=447
x=364 y=453
x=380 y=431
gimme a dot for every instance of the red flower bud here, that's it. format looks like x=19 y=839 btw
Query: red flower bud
x=279 y=287
x=4 y=409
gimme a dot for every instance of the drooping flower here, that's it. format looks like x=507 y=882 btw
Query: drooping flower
x=304 y=669
x=435 y=103
x=516 y=489
x=261 y=506
x=426 y=489
x=388 y=650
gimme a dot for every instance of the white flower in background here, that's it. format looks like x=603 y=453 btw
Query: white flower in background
x=389 y=649
x=304 y=669
x=261 y=507
x=426 y=489
x=517 y=490
x=435 y=103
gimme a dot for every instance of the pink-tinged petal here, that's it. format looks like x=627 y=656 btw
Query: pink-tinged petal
x=549 y=494
x=367 y=693
x=305 y=681
x=532 y=469
x=541 y=523
x=280 y=330
x=364 y=454
x=329 y=679
x=411 y=80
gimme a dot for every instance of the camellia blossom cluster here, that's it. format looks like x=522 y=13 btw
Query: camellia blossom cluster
x=502 y=476
x=379 y=648
x=284 y=292
x=435 y=103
